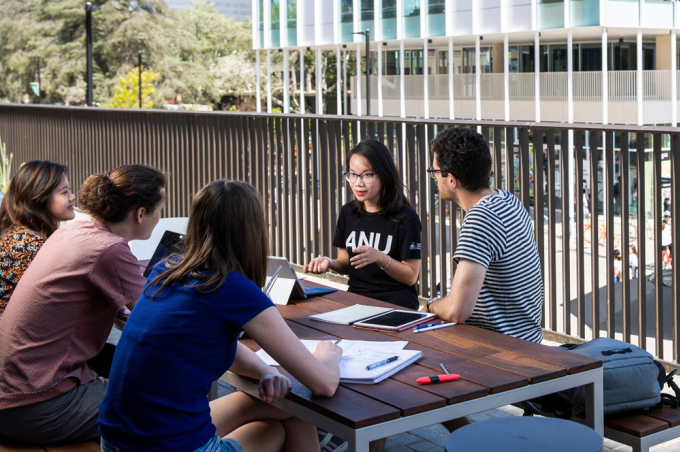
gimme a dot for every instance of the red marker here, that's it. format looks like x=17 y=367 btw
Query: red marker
x=437 y=379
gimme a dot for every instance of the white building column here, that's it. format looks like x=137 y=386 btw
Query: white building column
x=537 y=76
x=639 y=80
x=506 y=77
x=269 y=80
x=319 y=83
x=478 y=80
x=358 y=79
x=674 y=78
x=402 y=82
x=339 y=81
x=605 y=78
x=426 y=83
x=451 y=92
x=570 y=77
x=379 y=76
x=286 y=81
x=258 y=81
x=303 y=109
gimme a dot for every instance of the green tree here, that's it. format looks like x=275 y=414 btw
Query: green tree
x=126 y=93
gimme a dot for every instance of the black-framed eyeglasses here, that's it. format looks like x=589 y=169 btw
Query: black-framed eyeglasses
x=352 y=177
x=433 y=172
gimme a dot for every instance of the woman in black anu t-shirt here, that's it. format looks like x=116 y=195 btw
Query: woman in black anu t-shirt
x=378 y=229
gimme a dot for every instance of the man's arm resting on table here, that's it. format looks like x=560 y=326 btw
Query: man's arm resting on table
x=458 y=305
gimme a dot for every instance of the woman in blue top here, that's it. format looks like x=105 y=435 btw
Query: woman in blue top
x=378 y=233
x=183 y=335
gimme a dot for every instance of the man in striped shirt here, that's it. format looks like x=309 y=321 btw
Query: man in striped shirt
x=497 y=284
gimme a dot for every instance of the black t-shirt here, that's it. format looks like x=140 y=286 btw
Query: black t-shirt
x=398 y=239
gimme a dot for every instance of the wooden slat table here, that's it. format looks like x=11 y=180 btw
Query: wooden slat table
x=495 y=369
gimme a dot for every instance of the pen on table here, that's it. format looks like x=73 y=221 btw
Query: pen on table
x=422 y=327
x=382 y=363
x=270 y=284
x=338 y=341
x=436 y=327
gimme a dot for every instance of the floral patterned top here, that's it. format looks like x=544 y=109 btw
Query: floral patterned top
x=18 y=247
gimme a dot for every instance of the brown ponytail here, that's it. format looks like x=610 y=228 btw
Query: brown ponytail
x=111 y=196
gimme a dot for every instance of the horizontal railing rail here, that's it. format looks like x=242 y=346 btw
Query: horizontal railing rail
x=296 y=161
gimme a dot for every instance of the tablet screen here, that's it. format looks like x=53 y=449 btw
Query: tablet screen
x=395 y=318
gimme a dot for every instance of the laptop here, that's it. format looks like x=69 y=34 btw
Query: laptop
x=287 y=284
x=169 y=244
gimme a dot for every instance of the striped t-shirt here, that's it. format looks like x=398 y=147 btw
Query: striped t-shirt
x=497 y=232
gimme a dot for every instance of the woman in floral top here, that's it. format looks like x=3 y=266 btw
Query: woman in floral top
x=38 y=198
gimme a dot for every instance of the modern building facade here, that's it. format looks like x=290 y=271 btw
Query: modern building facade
x=600 y=61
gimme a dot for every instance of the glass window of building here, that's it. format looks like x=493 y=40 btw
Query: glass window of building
x=389 y=19
x=544 y=58
x=513 y=59
x=367 y=13
x=443 y=62
x=261 y=17
x=276 y=23
x=625 y=56
x=391 y=62
x=470 y=61
x=591 y=57
x=413 y=62
x=550 y=14
x=411 y=18
x=436 y=18
x=649 y=57
x=558 y=58
x=291 y=21
x=346 y=20
x=526 y=58
x=584 y=13
x=431 y=61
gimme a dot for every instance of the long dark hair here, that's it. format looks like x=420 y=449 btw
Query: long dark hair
x=111 y=196
x=226 y=232
x=26 y=201
x=392 y=197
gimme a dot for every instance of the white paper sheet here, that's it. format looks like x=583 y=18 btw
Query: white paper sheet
x=359 y=354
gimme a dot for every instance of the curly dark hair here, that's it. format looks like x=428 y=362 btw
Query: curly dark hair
x=465 y=154
x=112 y=196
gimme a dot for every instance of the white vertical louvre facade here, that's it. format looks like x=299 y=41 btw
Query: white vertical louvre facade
x=600 y=61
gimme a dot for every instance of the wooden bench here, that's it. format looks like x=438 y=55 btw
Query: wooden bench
x=90 y=446
x=643 y=429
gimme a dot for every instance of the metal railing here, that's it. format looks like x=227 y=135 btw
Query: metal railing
x=296 y=162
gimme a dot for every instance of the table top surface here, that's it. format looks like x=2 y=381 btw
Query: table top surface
x=488 y=363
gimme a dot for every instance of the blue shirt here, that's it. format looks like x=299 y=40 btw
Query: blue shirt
x=171 y=350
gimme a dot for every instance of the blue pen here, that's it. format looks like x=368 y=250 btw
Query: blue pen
x=420 y=327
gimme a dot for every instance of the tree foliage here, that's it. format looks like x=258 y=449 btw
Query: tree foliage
x=185 y=47
x=126 y=93
x=197 y=52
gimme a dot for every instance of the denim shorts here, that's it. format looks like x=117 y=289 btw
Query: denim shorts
x=216 y=444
